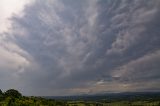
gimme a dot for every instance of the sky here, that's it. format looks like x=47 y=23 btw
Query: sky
x=73 y=47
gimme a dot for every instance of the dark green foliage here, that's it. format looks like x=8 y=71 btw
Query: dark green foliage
x=1 y=93
x=12 y=93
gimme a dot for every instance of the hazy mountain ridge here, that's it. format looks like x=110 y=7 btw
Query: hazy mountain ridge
x=110 y=96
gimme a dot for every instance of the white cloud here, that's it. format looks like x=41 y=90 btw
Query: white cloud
x=11 y=57
x=8 y=8
x=12 y=63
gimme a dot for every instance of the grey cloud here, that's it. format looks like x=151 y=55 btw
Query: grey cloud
x=134 y=22
x=12 y=63
x=80 y=46
x=143 y=69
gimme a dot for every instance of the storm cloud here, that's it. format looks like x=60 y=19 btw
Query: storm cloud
x=66 y=47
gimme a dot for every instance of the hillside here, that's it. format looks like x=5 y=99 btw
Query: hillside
x=14 y=98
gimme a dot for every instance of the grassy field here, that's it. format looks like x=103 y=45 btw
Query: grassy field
x=120 y=103
x=36 y=101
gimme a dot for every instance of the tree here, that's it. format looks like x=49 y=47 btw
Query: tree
x=12 y=93
x=1 y=95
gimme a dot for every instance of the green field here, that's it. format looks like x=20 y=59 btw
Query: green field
x=33 y=101
x=120 y=103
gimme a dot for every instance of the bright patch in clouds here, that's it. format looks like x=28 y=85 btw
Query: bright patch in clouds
x=7 y=9
x=11 y=62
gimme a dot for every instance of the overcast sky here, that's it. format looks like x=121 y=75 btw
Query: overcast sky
x=70 y=47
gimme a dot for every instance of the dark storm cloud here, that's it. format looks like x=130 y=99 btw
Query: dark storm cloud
x=81 y=46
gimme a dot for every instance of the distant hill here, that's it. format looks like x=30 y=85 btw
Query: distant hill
x=111 y=96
